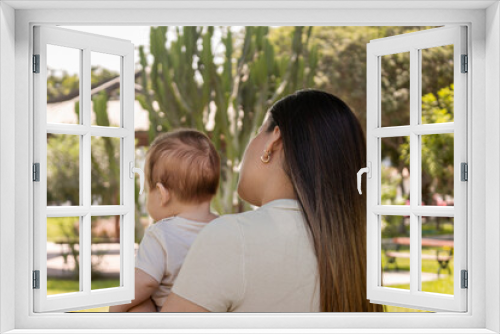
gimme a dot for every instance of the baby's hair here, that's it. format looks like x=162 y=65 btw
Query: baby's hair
x=185 y=162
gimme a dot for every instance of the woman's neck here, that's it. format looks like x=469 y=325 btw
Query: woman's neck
x=279 y=188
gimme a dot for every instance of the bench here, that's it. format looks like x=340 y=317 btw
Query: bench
x=443 y=257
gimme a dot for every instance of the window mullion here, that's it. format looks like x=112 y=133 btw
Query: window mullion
x=85 y=243
x=81 y=174
x=108 y=210
x=414 y=170
x=108 y=132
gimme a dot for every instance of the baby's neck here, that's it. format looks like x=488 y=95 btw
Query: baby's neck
x=197 y=212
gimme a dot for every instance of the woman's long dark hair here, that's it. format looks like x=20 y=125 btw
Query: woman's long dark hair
x=324 y=147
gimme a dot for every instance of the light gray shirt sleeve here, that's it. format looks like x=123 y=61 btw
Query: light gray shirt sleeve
x=151 y=255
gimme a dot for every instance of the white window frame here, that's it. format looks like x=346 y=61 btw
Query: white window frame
x=85 y=43
x=413 y=43
x=483 y=122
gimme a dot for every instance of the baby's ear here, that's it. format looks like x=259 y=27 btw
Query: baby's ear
x=165 y=195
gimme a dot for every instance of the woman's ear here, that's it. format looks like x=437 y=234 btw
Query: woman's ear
x=274 y=143
x=164 y=194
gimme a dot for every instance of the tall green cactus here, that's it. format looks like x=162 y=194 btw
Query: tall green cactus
x=186 y=84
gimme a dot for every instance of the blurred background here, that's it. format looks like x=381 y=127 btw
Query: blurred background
x=221 y=81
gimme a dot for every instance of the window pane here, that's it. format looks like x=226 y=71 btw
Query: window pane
x=437 y=84
x=438 y=169
x=105 y=252
x=395 y=171
x=395 y=251
x=63 y=169
x=63 y=246
x=63 y=84
x=105 y=171
x=395 y=83
x=105 y=77
x=437 y=254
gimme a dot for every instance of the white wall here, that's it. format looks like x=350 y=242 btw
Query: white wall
x=7 y=159
x=215 y=16
x=492 y=165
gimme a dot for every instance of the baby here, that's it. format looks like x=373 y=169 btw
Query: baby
x=182 y=174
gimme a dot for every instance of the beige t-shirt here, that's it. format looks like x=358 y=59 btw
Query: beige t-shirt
x=257 y=261
x=163 y=249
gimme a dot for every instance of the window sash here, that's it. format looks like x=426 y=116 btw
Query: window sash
x=86 y=297
x=412 y=43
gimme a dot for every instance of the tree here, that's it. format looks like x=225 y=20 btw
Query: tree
x=63 y=169
x=225 y=94
x=341 y=70
x=225 y=89
x=437 y=150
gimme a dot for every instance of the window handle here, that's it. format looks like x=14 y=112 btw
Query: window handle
x=368 y=171
x=139 y=171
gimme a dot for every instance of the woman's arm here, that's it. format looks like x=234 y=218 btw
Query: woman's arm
x=176 y=303
x=145 y=285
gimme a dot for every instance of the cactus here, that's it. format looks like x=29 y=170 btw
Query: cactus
x=186 y=84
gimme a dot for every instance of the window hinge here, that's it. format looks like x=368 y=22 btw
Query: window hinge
x=36 y=279
x=36 y=172
x=465 y=63
x=464 y=171
x=36 y=63
x=465 y=279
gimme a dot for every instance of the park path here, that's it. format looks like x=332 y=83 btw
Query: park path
x=105 y=260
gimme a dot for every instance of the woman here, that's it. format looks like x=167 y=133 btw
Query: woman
x=304 y=249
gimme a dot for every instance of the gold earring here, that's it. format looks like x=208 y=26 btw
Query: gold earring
x=265 y=160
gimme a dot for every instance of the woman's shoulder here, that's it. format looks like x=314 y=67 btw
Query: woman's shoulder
x=235 y=221
x=230 y=226
x=223 y=224
x=278 y=211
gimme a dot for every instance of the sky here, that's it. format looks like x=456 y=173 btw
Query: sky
x=67 y=59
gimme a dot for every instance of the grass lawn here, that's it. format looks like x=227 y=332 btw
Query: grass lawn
x=442 y=285
x=56 y=286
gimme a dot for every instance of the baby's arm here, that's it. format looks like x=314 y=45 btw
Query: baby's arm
x=145 y=285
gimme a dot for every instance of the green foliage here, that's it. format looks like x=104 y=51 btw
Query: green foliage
x=438 y=108
x=225 y=94
x=62 y=229
x=63 y=169
x=63 y=155
x=105 y=158
x=225 y=90
x=61 y=85
x=99 y=74
x=341 y=70
x=391 y=180
x=394 y=226
x=437 y=150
